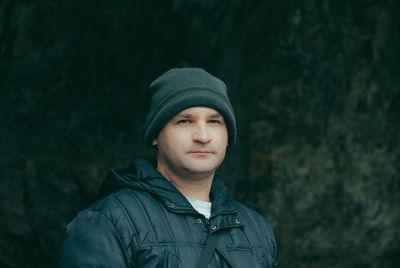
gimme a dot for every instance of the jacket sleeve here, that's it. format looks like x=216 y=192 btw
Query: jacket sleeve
x=276 y=263
x=92 y=241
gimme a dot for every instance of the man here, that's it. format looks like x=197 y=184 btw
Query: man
x=176 y=212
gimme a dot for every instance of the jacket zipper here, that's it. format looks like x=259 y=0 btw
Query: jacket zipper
x=207 y=221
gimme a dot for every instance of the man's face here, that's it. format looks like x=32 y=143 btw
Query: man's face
x=193 y=142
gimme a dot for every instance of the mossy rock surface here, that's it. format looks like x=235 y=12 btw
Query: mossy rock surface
x=315 y=87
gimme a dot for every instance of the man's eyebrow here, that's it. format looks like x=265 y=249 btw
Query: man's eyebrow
x=217 y=115
x=188 y=115
x=185 y=115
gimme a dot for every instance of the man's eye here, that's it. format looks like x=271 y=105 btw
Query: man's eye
x=184 y=121
x=215 y=121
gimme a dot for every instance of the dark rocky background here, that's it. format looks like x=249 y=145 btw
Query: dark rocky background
x=316 y=87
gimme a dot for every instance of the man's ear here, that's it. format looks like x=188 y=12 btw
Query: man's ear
x=154 y=142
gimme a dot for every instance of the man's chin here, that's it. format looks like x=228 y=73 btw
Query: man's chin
x=204 y=166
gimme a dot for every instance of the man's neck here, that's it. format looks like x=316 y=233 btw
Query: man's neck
x=192 y=186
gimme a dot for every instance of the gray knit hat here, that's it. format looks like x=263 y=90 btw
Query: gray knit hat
x=178 y=89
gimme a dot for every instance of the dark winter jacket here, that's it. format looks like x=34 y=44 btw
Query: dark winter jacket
x=142 y=220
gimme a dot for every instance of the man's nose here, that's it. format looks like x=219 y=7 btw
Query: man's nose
x=201 y=133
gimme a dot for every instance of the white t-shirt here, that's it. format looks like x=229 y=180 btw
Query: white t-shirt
x=202 y=207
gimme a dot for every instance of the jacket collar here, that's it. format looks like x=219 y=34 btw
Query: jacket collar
x=142 y=175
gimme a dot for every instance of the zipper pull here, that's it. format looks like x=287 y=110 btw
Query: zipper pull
x=207 y=221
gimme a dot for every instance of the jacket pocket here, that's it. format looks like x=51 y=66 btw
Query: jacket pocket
x=255 y=258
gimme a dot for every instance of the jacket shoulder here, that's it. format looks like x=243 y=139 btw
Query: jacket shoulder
x=117 y=200
x=125 y=208
x=107 y=221
x=94 y=237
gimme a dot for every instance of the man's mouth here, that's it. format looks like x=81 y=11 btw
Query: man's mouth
x=201 y=152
